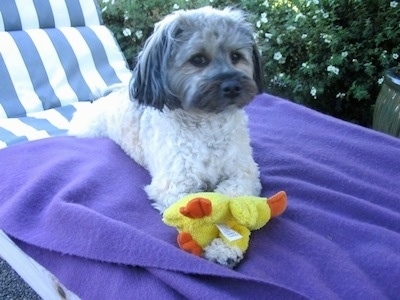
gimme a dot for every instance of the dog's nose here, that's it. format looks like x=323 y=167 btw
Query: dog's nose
x=231 y=88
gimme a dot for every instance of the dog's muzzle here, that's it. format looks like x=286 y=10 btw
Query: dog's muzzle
x=231 y=88
x=224 y=91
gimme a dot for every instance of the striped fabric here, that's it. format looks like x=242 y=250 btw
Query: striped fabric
x=44 y=124
x=34 y=14
x=42 y=69
x=53 y=54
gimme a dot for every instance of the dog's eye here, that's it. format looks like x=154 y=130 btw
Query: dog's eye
x=235 y=57
x=199 y=60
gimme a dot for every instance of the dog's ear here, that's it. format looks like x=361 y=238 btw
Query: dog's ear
x=246 y=27
x=258 y=73
x=149 y=85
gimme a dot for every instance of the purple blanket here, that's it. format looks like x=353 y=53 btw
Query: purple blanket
x=78 y=207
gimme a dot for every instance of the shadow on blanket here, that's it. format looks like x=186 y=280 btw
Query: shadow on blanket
x=77 y=206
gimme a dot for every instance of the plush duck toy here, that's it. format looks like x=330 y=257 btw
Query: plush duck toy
x=217 y=227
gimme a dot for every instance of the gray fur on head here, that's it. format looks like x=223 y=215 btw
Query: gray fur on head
x=204 y=59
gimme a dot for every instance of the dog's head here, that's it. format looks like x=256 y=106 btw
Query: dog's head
x=204 y=59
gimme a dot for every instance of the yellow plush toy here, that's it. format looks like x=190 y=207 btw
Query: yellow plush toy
x=217 y=227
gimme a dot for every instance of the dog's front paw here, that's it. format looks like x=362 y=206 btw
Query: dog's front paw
x=235 y=187
x=230 y=188
x=164 y=192
x=160 y=207
x=223 y=254
x=161 y=197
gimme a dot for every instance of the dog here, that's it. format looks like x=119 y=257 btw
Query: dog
x=181 y=116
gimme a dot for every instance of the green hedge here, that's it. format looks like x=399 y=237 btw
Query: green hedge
x=329 y=55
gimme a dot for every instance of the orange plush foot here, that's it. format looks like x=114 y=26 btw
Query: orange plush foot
x=186 y=243
x=197 y=208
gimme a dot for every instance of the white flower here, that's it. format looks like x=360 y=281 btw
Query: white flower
x=176 y=6
x=139 y=34
x=127 y=32
x=291 y=28
x=278 y=55
x=258 y=24
x=327 y=38
x=325 y=15
x=264 y=18
x=395 y=56
x=304 y=35
x=380 y=80
x=313 y=92
x=345 y=54
x=298 y=16
x=312 y=1
x=265 y=3
x=268 y=35
x=106 y=1
x=393 y=4
x=279 y=80
x=333 y=69
x=340 y=95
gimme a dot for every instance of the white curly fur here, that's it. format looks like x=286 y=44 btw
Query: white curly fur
x=188 y=136
x=184 y=153
x=219 y=252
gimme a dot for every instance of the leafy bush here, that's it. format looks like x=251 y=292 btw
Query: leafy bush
x=326 y=54
x=132 y=21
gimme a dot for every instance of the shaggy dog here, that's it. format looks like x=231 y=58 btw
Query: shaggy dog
x=181 y=116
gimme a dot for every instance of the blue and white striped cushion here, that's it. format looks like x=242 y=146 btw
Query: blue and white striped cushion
x=44 y=124
x=53 y=55
x=46 y=68
x=33 y=14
